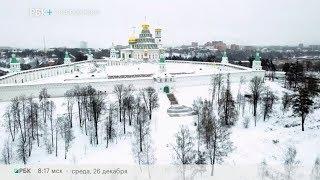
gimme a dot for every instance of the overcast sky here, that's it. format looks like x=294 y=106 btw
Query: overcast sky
x=244 y=22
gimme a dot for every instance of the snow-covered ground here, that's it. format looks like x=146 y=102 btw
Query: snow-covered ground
x=90 y=71
x=267 y=141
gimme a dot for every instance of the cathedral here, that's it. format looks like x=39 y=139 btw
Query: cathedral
x=141 y=64
x=145 y=47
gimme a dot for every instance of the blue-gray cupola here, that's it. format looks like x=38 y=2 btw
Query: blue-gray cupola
x=14 y=64
x=225 y=58
x=256 y=64
x=67 y=59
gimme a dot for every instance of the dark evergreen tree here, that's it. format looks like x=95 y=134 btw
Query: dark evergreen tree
x=268 y=101
x=286 y=102
x=311 y=83
x=301 y=105
x=227 y=110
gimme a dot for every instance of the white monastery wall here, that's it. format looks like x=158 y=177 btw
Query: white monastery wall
x=58 y=89
x=13 y=85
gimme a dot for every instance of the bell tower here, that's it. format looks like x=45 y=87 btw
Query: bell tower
x=225 y=58
x=113 y=52
x=157 y=36
x=14 y=64
x=67 y=59
x=256 y=64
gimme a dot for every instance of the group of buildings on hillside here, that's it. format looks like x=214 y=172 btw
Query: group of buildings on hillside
x=145 y=47
x=142 y=63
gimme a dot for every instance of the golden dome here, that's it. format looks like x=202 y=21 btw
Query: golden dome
x=132 y=39
x=145 y=26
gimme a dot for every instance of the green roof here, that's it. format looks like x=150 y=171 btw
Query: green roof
x=257 y=57
x=224 y=54
x=14 y=59
x=162 y=60
x=66 y=55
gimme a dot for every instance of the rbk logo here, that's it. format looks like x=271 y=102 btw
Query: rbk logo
x=22 y=170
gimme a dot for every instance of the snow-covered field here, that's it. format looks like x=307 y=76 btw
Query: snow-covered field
x=267 y=141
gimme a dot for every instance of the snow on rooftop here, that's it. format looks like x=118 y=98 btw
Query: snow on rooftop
x=102 y=72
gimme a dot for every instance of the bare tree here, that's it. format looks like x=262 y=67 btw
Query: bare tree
x=197 y=107
x=184 y=147
x=142 y=148
x=24 y=110
x=219 y=82
x=315 y=173
x=10 y=123
x=50 y=110
x=97 y=106
x=141 y=144
x=77 y=93
x=286 y=102
x=70 y=102
x=15 y=110
x=184 y=152
x=290 y=163
x=150 y=98
x=22 y=149
x=110 y=124
x=32 y=115
x=256 y=88
x=37 y=123
x=263 y=169
x=18 y=110
x=142 y=128
x=46 y=138
x=6 y=152
x=66 y=132
x=44 y=102
x=85 y=108
x=246 y=122
x=240 y=96
x=227 y=110
x=216 y=137
x=268 y=101
x=214 y=84
x=137 y=107
x=119 y=90
x=128 y=103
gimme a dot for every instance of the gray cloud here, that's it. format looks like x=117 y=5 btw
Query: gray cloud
x=254 y=22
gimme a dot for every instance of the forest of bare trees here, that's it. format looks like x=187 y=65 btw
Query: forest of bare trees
x=127 y=113
x=37 y=122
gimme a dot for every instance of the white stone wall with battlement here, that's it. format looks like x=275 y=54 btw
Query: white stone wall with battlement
x=57 y=89
x=40 y=73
